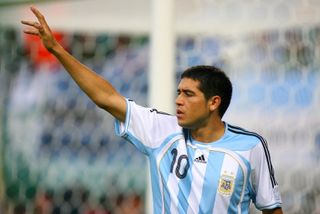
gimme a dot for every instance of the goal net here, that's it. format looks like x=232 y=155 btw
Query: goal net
x=59 y=152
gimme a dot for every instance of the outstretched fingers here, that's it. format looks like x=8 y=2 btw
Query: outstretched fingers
x=41 y=29
x=32 y=32
x=40 y=18
x=32 y=24
x=36 y=27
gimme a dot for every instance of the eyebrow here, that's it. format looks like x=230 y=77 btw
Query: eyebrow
x=185 y=91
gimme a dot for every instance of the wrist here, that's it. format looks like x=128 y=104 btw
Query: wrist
x=55 y=49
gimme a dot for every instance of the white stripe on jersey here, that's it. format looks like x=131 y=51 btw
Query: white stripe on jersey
x=222 y=202
x=198 y=172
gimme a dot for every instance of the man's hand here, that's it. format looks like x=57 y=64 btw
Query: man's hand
x=99 y=90
x=41 y=29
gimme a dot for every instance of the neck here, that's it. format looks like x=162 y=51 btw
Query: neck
x=210 y=133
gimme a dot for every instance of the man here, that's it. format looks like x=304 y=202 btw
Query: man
x=198 y=163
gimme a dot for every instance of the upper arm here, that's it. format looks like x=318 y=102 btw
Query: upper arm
x=117 y=107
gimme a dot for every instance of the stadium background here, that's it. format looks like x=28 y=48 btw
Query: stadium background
x=59 y=153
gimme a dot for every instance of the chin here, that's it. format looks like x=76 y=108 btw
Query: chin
x=181 y=124
x=184 y=125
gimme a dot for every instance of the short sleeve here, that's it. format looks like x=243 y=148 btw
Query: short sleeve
x=265 y=188
x=146 y=128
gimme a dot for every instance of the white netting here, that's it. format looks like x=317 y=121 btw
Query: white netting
x=60 y=151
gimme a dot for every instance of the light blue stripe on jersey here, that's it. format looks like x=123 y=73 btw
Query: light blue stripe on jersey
x=156 y=192
x=237 y=191
x=167 y=198
x=212 y=180
x=185 y=185
x=245 y=206
x=272 y=206
x=165 y=177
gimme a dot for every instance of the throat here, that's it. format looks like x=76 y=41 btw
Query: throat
x=209 y=134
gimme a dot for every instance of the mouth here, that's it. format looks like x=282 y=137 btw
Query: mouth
x=179 y=114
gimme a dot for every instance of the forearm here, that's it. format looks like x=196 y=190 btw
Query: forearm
x=100 y=91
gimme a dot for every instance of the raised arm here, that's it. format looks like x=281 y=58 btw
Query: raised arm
x=99 y=90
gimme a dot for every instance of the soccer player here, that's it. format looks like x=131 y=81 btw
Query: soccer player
x=198 y=163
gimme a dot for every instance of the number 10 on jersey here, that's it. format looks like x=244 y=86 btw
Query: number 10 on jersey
x=180 y=164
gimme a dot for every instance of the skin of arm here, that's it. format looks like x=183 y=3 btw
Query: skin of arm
x=99 y=90
x=273 y=211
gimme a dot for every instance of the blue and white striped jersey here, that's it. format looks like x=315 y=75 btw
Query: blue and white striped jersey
x=192 y=177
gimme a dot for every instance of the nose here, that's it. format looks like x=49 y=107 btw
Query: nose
x=179 y=100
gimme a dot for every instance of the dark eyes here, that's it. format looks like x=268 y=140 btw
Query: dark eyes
x=187 y=93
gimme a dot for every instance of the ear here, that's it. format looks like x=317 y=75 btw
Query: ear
x=214 y=103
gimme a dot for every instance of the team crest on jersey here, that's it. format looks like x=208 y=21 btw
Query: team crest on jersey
x=226 y=184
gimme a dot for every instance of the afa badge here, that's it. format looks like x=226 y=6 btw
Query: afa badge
x=226 y=185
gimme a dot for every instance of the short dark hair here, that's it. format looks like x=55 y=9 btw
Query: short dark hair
x=213 y=82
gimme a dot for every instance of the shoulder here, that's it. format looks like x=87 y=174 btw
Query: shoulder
x=133 y=104
x=136 y=109
x=250 y=138
x=153 y=119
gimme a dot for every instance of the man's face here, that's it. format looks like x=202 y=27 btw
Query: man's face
x=192 y=108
